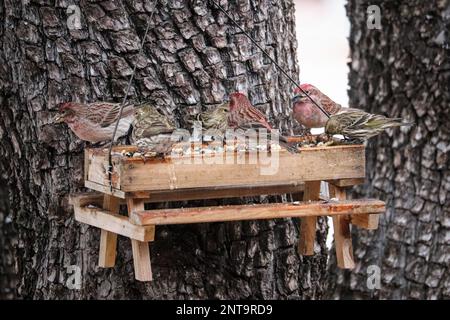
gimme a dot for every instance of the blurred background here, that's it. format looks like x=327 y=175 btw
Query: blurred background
x=323 y=51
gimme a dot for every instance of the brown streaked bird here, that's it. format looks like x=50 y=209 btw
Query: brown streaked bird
x=360 y=125
x=243 y=115
x=154 y=132
x=95 y=122
x=306 y=112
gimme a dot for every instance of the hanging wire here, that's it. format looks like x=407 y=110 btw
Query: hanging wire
x=271 y=59
x=110 y=168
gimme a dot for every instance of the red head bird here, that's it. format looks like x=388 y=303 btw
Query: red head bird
x=306 y=112
x=95 y=122
x=243 y=114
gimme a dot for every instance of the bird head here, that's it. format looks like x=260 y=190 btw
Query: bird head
x=332 y=126
x=66 y=113
x=237 y=100
x=299 y=93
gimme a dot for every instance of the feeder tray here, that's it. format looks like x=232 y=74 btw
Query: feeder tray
x=136 y=180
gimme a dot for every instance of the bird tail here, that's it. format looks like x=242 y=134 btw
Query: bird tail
x=396 y=122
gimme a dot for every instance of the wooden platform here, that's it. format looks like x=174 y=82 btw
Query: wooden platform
x=236 y=173
x=136 y=181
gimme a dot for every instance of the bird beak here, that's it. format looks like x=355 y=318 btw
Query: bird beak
x=58 y=118
x=297 y=98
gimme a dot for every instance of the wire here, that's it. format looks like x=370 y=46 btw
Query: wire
x=126 y=96
x=271 y=59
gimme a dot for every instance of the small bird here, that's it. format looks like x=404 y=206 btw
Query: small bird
x=95 y=122
x=243 y=115
x=216 y=119
x=306 y=112
x=359 y=125
x=153 y=132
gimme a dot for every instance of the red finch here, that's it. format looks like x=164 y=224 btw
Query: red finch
x=360 y=125
x=154 y=132
x=95 y=122
x=306 y=112
x=245 y=116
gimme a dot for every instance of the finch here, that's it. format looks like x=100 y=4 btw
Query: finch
x=95 y=122
x=243 y=115
x=153 y=132
x=306 y=112
x=359 y=125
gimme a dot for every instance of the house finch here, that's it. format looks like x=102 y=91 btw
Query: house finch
x=95 y=122
x=154 y=132
x=360 y=125
x=308 y=114
x=245 y=116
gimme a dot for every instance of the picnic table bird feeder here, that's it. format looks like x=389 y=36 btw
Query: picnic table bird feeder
x=135 y=181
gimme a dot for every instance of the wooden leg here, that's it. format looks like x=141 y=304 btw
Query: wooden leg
x=141 y=260
x=108 y=240
x=308 y=224
x=342 y=234
x=141 y=252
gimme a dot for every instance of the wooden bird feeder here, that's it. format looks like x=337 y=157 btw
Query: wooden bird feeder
x=136 y=181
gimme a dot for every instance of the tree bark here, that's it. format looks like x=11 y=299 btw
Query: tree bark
x=193 y=58
x=403 y=70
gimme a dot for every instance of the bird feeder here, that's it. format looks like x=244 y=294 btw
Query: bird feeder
x=135 y=181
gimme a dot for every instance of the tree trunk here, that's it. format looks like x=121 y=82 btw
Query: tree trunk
x=193 y=59
x=403 y=70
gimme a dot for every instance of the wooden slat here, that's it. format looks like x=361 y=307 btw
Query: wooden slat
x=254 y=212
x=308 y=224
x=104 y=189
x=312 y=164
x=342 y=234
x=118 y=224
x=215 y=193
x=347 y=182
x=108 y=240
x=366 y=221
x=141 y=251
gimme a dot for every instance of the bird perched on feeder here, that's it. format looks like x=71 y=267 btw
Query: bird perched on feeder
x=306 y=112
x=153 y=132
x=244 y=115
x=95 y=122
x=359 y=125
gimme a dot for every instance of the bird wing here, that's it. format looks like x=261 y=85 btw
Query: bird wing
x=107 y=113
x=255 y=117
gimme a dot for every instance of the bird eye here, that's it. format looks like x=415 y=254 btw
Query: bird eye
x=307 y=91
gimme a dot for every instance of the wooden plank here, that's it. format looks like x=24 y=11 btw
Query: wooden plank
x=105 y=189
x=83 y=199
x=366 y=221
x=255 y=212
x=141 y=253
x=308 y=224
x=347 y=182
x=115 y=223
x=215 y=193
x=141 y=260
x=342 y=234
x=312 y=164
x=108 y=240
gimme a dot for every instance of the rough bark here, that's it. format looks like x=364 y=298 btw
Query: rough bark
x=403 y=70
x=193 y=58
